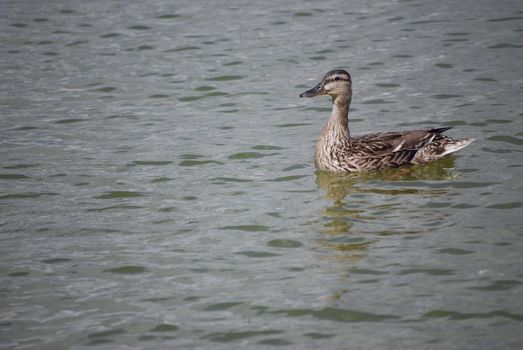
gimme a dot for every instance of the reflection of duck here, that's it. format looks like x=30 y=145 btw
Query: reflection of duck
x=337 y=151
x=338 y=186
x=388 y=184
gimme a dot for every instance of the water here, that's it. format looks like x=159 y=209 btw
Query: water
x=158 y=189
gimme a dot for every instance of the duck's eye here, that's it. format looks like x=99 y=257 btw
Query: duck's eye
x=337 y=78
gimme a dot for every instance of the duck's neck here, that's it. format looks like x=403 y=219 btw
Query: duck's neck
x=337 y=127
x=335 y=136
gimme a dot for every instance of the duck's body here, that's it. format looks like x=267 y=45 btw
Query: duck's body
x=337 y=151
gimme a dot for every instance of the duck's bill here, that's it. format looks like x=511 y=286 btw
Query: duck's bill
x=315 y=91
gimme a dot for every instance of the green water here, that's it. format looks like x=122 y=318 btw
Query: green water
x=157 y=187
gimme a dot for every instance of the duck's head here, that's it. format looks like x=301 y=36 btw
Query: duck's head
x=335 y=83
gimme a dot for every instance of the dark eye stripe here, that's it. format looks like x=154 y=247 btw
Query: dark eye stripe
x=340 y=73
x=337 y=78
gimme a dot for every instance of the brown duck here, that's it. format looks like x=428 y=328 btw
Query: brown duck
x=337 y=151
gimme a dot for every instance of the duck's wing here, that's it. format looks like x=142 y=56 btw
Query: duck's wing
x=391 y=149
x=385 y=142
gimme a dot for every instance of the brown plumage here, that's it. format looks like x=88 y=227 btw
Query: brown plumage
x=337 y=151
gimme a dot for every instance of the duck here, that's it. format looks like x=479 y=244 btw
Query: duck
x=337 y=151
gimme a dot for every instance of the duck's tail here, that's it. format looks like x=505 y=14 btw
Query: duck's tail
x=451 y=146
x=439 y=147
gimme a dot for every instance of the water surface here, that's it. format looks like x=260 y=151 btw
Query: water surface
x=157 y=188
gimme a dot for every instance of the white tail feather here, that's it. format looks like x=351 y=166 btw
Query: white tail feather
x=456 y=145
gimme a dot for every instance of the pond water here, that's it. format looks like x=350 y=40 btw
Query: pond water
x=158 y=188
